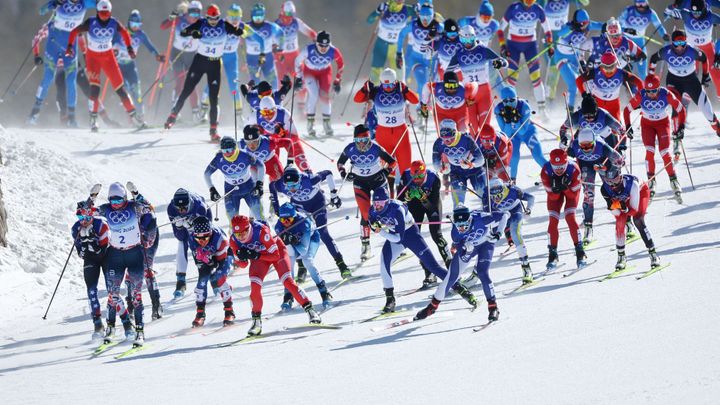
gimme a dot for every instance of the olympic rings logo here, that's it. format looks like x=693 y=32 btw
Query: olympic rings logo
x=268 y=126
x=290 y=30
x=450 y=49
x=72 y=8
x=394 y=18
x=607 y=83
x=117 y=217
x=264 y=33
x=211 y=33
x=654 y=104
x=557 y=5
x=525 y=16
x=389 y=221
x=679 y=60
x=103 y=32
x=389 y=99
x=637 y=21
x=588 y=157
x=421 y=34
x=455 y=153
x=449 y=100
x=255 y=245
x=700 y=25
x=261 y=155
x=363 y=160
x=470 y=59
x=483 y=32
x=475 y=236
x=318 y=60
x=234 y=168
x=505 y=204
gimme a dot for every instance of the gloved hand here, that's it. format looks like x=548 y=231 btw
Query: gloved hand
x=285 y=81
x=705 y=79
x=244 y=89
x=376 y=226
x=336 y=86
x=666 y=38
x=424 y=112
x=630 y=31
x=466 y=164
x=444 y=168
x=622 y=147
x=527 y=211
x=160 y=58
x=196 y=34
x=214 y=195
x=716 y=62
x=131 y=52
x=69 y=52
x=629 y=132
x=279 y=128
x=276 y=48
x=499 y=63
x=261 y=59
x=39 y=60
x=673 y=12
x=381 y=8
x=679 y=133
x=249 y=254
x=623 y=207
x=258 y=189
x=551 y=51
x=335 y=201
x=399 y=60
x=504 y=51
x=493 y=237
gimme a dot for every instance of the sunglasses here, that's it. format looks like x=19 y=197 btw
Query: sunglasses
x=286 y=220
x=589 y=117
x=292 y=184
x=388 y=86
x=651 y=92
x=82 y=217
x=451 y=86
x=319 y=45
x=194 y=14
x=227 y=151
x=116 y=200
x=679 y=43
x=213 y=19
x=182 y=208
x=452 y=34
x=559 y=168
x=586 y=145
x=134 y=24
x=418 y=176
x=202 y=237
x=362 y=140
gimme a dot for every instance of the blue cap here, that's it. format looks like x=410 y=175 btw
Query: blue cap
x=508 y=92
x=287 y=210
x=380 y=194
x=581 y=16
x=486 y=8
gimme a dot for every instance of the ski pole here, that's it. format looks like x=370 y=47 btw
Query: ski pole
x=7 y=89
x=217 y=208
x=487 y=115
x=417 y=142
x=34 y=68
x=357 y=76
x=234 y=94
x=687 y=165
x=650 y=38
x=152 y=86
x=544 y=129
x=316 y=150
x=72 y=247
x=163 y=67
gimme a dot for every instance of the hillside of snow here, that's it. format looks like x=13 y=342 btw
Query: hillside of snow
x=566 y=340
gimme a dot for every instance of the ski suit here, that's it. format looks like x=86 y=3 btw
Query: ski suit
x=632 y=18
x=449 y=106
x=626 y=51
x=267 y=152
x=569 y=41
x=562 y=190
x=484 y=32
x=315 y=69
x=128 y=67
x=606 y=90
x=302 y=240
x=418 y=56
x=629 y=202
x=517 y=123
x=444 y=49
x=605 y=127
x=268 y=41
x=91 y=243
x=281 y=126
x=240 y=181
x=700 y=36
x=213 y=266
x=253 y=98
x=464 y=162
x=181 y=226
x=392 y=21
x=182 y=54
x=511 y=202
x=285 y=59
x=497 y=155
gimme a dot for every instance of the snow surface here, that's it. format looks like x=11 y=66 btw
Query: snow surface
x=570 y=340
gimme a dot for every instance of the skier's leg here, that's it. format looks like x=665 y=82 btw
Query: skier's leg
x=136 y=272
x=213 y=79
x=533 y=143
x=482 y=269
x=320 y=218
x=554 y=203
x=309 y=259
x=282 y=267
x=648 y=138
x=571 y=201
x=257 y=272
x=379 y=59
x=91 y=274
x=588 y=179
x=515 y=157
x=193 y=76
x=390 y=252
x=515 y=224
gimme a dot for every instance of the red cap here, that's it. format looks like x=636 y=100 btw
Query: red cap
x=417 y=167
x=558 y=157
x=608 y=59
x=240 y=223
x=213 y=11
x=652 y=82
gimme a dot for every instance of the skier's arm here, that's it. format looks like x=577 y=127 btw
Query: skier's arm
x=260 y=169
x=576 y=181
x=502 y=223
x=187 y=31
x=366 y=92
x=409 y=95
x=249 y=32
x=632 y=79
x=274 y=195
x=703 y=60
x=678 y=110
x=272 y=252
x=545 y=179
x=654 y=59
x=145 y=40
x=239 y=30
x=304 y=244
x=299 y=62
x=434 y=196
x=41 y=34
x=634 y=201
x=657 y=24
x=209 y=170
x=389 y=160
x=306 y=30
x=84 y=27
x=339 y=63
x=529 y=198
x=632 y=105
x=328 y=177
x=124 y=34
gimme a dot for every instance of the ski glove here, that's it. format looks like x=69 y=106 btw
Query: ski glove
x=245 y=254
x=499 y=63
x=629 y=132
x=504 y=51
x=424 y=112
x=298 y=83
x=716 y=62
x=131 y=52
x=214 y=195
x=335 y=201
x=705 y=79
x=69 y=52
x=160 y=58
x=258 y=190
x=399 y=60
x=196 y=34
x=336 y=86
x=261 y=59
x=39 y=60
x=381 y=8
x=679 y=133
x=493 y=237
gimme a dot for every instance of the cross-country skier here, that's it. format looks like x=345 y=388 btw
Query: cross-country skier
x=514 y=117
x=392 y=132
x=313 y=69
x=635 y=19
x=419 y=188
x=614 y=41
x=66 y=16
x=474 y=233
x=265 y=150
x=627 y=199
x=682 y=60
x=209 y=247
x=654 y=101
x=182 y=211
x=472 y=62
x=127 y=64
x=456 y=153
x=91 y=235
x=497 y=151
x=371 y=165
x=606 y=81
x=304 y=192
x=601 y=122
x=211 y=33
x=486 y=27
x=590 y=150
x=291 y=27
x=254 y=93
x=519 y=204
x=448 y=99
x=275 y=122
x=130 y=223
x=445 y=46
x=100 y=57
x=521 y=19
x=243 y=178
x=420 y=34
x=393 y=221
x=393 y=16
x=253 y=242
x=302 y=239
x=260 y=49
x=562 y=182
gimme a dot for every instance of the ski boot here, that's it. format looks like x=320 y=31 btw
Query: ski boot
x=654 y=258
x=229 y=313
x=621 y=261
x=199 y=316
x=256 y=327
x=302 y=272
x=287 y=302
x=327 y=127
x=170 y=121
x=325 y=295
x=493 y=313
x=311 y=125
x=93 y=122
x=109 y=332
x=676 y=150
x=470 y=280
x=651 y=186
x=580 y=255
x=139 y=337
x=429 y=280
x=345 y=271
x=138 y=120
x=527 y=272
x=428 y=310
x=157 y=309
x=675 y=185
x=71 y=121
x=313 y=316
x=542 y=111
x=34 y=113
x=553 y=259
x=98 y=328
x=588 y=237
x=128 y=327
x=214 y=137
x=716 y=126
x=365 y=254
x=389 y=301
x=179 y=286
x=465 y=294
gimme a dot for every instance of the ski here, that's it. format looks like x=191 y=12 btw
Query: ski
x=413 y=291
x=222 y=328
x=187 y=332
x=486 y=325
x=653 y=271
x=384 y=315
x=313 y=326
x=510 y=249
x=575 y=270
x=346 y=280
x=105 y=347
x=590 y=244
x=525 y=286
x=143 y=128
x=403 y=256
x=618 y=273
x=552 y=269
x=406 y=321
x=246 y=339
x=131 y=351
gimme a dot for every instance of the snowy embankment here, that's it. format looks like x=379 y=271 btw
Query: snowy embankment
x=567 y=340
